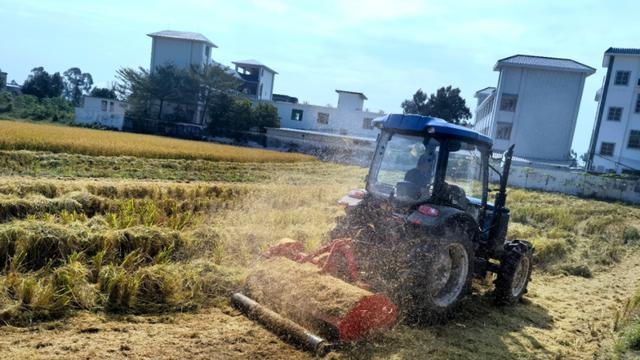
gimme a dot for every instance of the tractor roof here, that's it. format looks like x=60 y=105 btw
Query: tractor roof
x=418 y=124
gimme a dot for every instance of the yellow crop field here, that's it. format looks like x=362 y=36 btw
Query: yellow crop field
x=62 y=139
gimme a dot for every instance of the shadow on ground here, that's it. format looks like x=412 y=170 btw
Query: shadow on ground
x=478 y=330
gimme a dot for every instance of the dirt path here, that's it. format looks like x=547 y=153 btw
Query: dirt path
x=565 y=318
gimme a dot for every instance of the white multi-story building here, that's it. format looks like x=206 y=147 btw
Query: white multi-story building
x=257 y=77
x=535 y=106
x=348 y=118
x=615 y=141
x=180 y=48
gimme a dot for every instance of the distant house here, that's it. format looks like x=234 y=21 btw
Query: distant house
x=257 y=79
x=348 y=118
x=534 y=106
x=185 y=49
x=180 y=48
x=615 y=140
x=101 y=111
x=11 y=87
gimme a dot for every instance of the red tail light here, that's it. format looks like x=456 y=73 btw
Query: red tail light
x=356 y=194
x=428 y=211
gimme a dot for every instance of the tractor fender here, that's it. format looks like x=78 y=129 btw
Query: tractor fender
x=447 y=217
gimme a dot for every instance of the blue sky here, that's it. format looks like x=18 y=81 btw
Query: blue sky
x=384 y=48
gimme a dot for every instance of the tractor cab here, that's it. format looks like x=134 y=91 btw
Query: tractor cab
x=422 y=160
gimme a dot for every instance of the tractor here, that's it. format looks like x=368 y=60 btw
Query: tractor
x=423 y=227
x=416 y=235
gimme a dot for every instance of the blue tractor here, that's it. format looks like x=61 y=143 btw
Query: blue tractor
x=424 y=226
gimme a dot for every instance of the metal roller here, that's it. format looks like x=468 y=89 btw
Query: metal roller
x=280 y=325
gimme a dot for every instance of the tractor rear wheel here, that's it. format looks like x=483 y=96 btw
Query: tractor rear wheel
x=515 y=272
x=441 y=275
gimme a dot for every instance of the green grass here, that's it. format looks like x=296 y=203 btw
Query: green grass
x=627 y=343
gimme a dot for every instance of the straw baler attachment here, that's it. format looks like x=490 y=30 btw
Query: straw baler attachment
x=304 y=288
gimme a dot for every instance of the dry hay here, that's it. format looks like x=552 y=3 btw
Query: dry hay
x=300 y=291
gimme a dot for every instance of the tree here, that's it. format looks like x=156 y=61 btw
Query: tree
x=446 y=104
x=134 y=86
x=103 y=93
x=148 y=93
x=56 y=87
x=76 y=83
x=417 y=104
x=265 y=115
x=213 y=80
x=238 y=118
x=42 y=85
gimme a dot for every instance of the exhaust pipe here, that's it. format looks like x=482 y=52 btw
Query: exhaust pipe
x=280 y=325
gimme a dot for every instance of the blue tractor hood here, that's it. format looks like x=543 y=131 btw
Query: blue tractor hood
x=421 y=125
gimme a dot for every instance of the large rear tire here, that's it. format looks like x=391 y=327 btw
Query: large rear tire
x=515 y=272
x=441 y=273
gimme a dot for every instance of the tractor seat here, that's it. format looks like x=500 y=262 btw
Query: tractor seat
x=456 y=196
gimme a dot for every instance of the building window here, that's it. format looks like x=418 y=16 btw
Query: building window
x=622 y=78
x=111 y=106
x=634 y=139
x=323 y=118
x=504 y=131
x=615 y=113
x=103 y=105
x=606 y=148
x=296 y=114
x=508 y=102
x=367 y=123
x=638 y=104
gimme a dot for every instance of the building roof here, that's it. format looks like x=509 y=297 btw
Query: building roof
x=252 y=62
x=488 y=90
x=411 y=123
x=544 y=62
x=622 y=51
x=183 y=35
x=352 y=92
x=618 y=51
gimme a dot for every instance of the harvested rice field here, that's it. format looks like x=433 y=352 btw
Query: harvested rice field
x=134 y=254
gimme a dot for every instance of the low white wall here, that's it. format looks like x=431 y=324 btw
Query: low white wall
x=574 y=182
x=358 y=151
x=340 y=148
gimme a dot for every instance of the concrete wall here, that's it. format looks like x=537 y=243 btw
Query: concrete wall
x=180 y=52
x=341 y=121
x=350 y=102
x=93 y=111
x=578 y=183
x=358 y=151
x=340 y=148
x=544 y=119
x=266 y=81
x=617 y=132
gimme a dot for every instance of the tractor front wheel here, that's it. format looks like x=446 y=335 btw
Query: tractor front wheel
x=515 y=272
